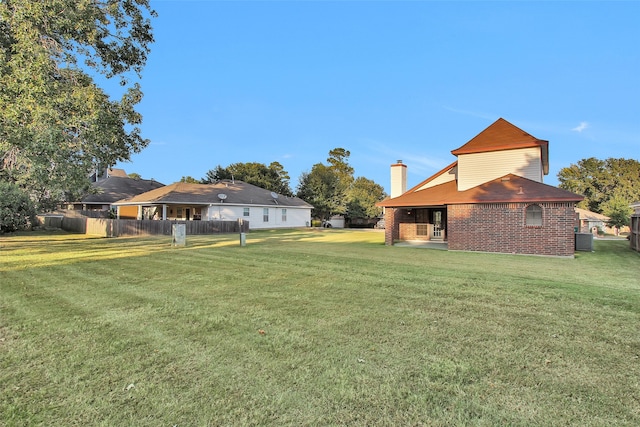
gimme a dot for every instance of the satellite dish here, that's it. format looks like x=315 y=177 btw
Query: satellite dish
x=274 y=195
x=222 y=196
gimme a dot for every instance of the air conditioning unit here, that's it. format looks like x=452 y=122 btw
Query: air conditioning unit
x=584 y=242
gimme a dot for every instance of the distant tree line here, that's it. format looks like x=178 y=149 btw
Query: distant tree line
x=608 y=186
x=331 y=189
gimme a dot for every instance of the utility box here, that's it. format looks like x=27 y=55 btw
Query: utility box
x=584 y=242
x=179 y=235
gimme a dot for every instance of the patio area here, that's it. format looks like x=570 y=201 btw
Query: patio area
x=442 y=245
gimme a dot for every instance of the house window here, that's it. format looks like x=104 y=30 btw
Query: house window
x=534 y=216
x=265 y=215
x=179 y=214
x=284 y=215
x=422 y=229
x=245 y=212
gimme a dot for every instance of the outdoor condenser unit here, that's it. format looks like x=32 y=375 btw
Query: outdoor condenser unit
x=584 y=242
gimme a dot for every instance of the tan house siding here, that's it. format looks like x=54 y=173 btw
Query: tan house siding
x=500 y=227
x=128 y=212
x=449 y=175
x=477 y=168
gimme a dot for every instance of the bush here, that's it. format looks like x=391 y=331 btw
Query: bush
x=17 y=211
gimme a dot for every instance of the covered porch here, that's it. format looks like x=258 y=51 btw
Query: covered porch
x=164 y=211
x=417 y=224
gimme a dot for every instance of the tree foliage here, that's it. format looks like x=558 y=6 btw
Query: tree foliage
x=332 y=189
x=605 y=184
x=618 y=211
x=189 y=180
x=56 y=124
x=272 y=177
x=320 y=189
x=362 y=199
x=17 y=211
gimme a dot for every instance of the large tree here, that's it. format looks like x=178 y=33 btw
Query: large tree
x=56 y=123
x=272 y=177
x=332 y=189
x=326 y=187
x=319 y=188
x=605 y=184
x=362 y=198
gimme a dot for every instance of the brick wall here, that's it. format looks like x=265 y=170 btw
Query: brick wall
x=392 y=220
x=391 y=226
x=500 y=227
x=413 y=231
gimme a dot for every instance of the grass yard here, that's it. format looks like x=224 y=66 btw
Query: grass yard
x=313 y=327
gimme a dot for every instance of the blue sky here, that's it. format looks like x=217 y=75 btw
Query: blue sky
x=287 y=81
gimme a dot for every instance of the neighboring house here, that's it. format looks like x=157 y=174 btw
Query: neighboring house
x=99 y=175
x=224 y=200
x=111 y=189
x=491 y=199
x=590 y=220
x=636 y=208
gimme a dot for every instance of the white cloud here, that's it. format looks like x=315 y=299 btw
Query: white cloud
x=582 y=126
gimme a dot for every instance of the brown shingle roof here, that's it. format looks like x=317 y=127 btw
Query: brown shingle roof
x=117 y=172
x=116 y=188
x=591 y=216
x=236 y=192
x=501 y=135
x=507 y=189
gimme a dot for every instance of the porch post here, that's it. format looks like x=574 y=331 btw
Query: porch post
x=139 y=212
x=164 y=212
x=391 y=226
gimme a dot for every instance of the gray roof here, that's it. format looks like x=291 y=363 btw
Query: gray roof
x=116 y=188
x=225 y=192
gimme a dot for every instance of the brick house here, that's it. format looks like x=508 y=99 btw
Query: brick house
x=491 y=199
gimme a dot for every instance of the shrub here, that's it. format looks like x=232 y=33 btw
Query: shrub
x=17 y=211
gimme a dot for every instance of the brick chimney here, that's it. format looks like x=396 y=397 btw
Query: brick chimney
x=398 y=179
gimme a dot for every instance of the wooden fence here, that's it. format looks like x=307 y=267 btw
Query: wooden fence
x=634 y=235
x=131 y=227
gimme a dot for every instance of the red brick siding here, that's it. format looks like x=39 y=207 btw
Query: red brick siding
x=409 y=231
x=500 y=227
x=391 y=233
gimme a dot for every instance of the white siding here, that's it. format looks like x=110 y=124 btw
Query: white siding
x=478 y=168
x=296 y=217
x=447 y=176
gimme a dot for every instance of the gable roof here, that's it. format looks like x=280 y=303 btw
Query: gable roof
x=507 y=189
x=587 y=215
x=116 y=188
x=235 y=193
x=502 y=135
x=116 y=172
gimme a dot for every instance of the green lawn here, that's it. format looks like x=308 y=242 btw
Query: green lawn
x=313 y=328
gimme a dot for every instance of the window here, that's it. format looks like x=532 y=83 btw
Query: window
x=422 y=229
x=534 y=216
x=284 y=215
x=245 y=212
x=179 y=214
x=265 y=215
